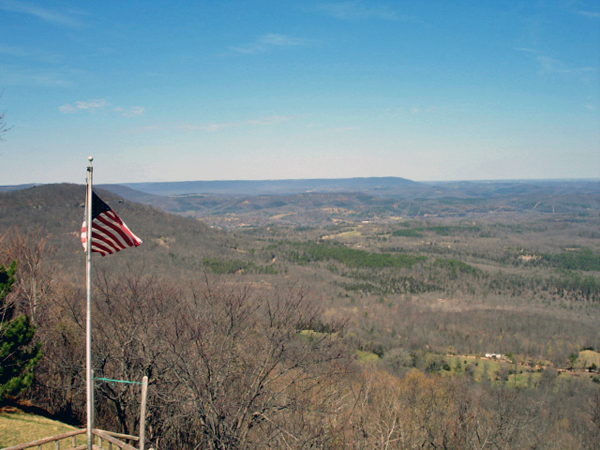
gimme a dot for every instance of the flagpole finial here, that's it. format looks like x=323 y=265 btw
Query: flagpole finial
x=89 y=169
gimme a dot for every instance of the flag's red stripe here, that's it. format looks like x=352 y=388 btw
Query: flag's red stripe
x=108 y=240
x=134 y=239
x=101 y=240
x=102 y=253
x=112 y=242
x=99 y=248
x=108 y=236
x=111 y=233
x=110 y=228
x=117 y=225
x=105 y=240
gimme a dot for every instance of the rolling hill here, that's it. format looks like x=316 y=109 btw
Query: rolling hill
x=58 y=211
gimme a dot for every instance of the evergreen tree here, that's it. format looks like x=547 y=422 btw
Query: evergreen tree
x=18 y=352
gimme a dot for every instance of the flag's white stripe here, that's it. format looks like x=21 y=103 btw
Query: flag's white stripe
x=111 y=220
x=112 y=230
x=103 y=250
x=107 y=237
x=101 y=247
x=110 y=240
x=107 y=233
x=104 y=241
x=136 y=240
x=112 y=227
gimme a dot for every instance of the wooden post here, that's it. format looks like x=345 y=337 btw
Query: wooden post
x=143 y=413
x=93 y=399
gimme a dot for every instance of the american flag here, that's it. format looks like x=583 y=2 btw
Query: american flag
x=109 y=232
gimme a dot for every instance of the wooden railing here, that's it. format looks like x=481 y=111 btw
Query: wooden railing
x=109 y=437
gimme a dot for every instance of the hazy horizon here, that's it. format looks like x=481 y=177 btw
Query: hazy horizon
x=507 y=180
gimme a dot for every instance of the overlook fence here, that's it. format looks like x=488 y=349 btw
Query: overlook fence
x=109 y=437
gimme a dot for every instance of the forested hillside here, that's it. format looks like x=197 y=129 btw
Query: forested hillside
x=351 y=321
x=56 y=213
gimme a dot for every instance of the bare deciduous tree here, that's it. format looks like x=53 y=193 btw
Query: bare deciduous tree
x=3 y=127
x=36 y=273
x=130 y=312
x=253 y=373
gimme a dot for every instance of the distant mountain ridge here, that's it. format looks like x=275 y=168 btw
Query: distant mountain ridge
x=270 y=187
x=231 y=204
x=17 y=187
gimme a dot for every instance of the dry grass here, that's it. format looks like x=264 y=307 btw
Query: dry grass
x=18 y=427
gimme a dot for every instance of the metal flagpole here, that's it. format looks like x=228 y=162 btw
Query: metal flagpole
x=88 y=250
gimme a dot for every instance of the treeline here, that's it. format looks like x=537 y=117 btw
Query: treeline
x=306 y=252
x=222 y=266
x=441 y=230
x=578 y=259
x=584 y=260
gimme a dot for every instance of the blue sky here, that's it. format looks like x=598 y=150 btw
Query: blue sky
x=227 y=90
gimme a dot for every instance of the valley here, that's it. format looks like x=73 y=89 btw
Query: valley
x=404 y=289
